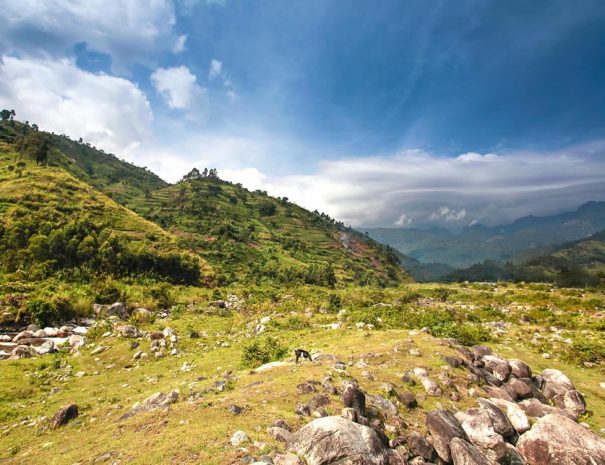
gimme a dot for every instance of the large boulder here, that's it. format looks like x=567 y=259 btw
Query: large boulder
x=332 y=440
x=116 y=309
x=555 y=383
x=444 y=426
x=464 y=453
x=500 y=421
x=479 y=427
x=558 y=440
x=514 y=413
x=519 y=369
x=573 y=402
x=497 y=366
x=64 y=415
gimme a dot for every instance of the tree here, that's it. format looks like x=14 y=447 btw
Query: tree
x=193 y=174
x=34 y=145
x=13 y=114
x=5 y=115
x=35 y=127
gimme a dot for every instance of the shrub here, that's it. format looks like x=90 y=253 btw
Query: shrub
x=262 y=351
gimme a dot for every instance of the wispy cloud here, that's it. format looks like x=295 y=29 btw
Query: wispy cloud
x=179 y=88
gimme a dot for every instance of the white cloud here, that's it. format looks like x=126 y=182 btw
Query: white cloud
x=179 y=44
x=492 y=190
x=447 y=214
x=216 y=68
x=109 y=112
x=403 y=220
x=128 y=30
x=179 y=88
x=251 y=178
x=231 y=95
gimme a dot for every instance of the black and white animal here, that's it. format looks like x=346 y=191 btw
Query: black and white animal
x=302 y=354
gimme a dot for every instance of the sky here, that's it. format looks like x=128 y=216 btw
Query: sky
x=398 y=113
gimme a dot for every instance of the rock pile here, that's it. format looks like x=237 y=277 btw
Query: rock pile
x=520 y=418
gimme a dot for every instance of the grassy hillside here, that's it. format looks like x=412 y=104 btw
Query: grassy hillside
x=104 y=380
x=575 y=263
x=251 y=236
x=106 y=172
x=51 y=222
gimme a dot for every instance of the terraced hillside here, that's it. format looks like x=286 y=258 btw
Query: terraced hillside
x=251 y=236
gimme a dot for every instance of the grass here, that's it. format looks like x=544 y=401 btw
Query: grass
x=197 y=428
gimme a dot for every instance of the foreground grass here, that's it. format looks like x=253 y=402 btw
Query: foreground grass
x=197 y=428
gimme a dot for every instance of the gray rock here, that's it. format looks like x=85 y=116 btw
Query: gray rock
x=573 y=402
x=518 y=389
x=385 y=406
x=64 y=415
x=498 y=367
x=464 y=453
x=280 y=458
x=239 y=438
x=419 y=446
x=155 y=401
x=558 y=440
x=481 y=351
x=444 y=426
x=280 y=434
x=407 y=399
x=520 y=369
x=514 y=413
x=555 y=383
x=500 y=421
x=498 y=393
x=129 y=331
x=305 y=388
x=47 y=347
x=333 y=440
x=479 y=427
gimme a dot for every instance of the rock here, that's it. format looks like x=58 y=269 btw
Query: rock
x=129 y=331
x=385 y=406
x=397 y=457
x=354 y=398
x=518 y=389
x=98 y=350
x=498 y=393
x=155 y=401
x=419 y=446
x=349 y=414
x=555 y=383
x=500 y=421
x=453 y=361
x=303 y=409
x=464 y=453
x=558 y=440
x=498 y=367
x=116 y=309
x=22 y=352
x=444 y=426
x=305 y=388
x=407 y=399
x=519 y=369
x=47 y=347
x=319 y=400
x=512 y=457
x=280 y=458
x=479 y=428
x=481 y=351
x=64 y=415
x=514 y=413
x=430 y=386
x=239 y=438
x=332 y=440
x=573 y=402
x=76 y=341
x=40 y=333
x=142 y=314
x=235 y=409
x=282 y=424
x=280 y=434
x=23 y=335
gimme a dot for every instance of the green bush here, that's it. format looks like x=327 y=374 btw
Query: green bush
x=263 y=350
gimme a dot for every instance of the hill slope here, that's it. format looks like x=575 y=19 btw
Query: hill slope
x=246 y=236
x=51 y=221
x=576 y=263
x=253 y=236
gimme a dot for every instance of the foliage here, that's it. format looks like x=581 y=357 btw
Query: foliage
x=263 y=350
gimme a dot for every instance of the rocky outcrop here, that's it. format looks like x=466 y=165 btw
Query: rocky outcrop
x=332 y=440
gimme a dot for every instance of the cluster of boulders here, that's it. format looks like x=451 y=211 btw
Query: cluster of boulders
x=34 y=340
x=520 y=418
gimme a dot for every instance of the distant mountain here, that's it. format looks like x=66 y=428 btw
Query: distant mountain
x=577 y=263
x=478 y=243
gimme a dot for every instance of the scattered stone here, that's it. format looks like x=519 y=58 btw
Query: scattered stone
x=116 y=309
x=64 y=415
x=514 y=413
x=239 y=438
x=520 y=369
x=235 y=409
x=407 y=399
x=280 y=434
x=463 y=453
x=47 y=347
x=420 y=446
x=305 y=388
x=353 y=397
x=280 y=458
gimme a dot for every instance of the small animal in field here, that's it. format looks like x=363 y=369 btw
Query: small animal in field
x=302 y=354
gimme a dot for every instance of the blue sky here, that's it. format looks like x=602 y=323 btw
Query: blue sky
x=393 y=113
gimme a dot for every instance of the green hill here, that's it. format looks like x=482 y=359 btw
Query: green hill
x=251 y=236
x=245 y=236
x=576 y=263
